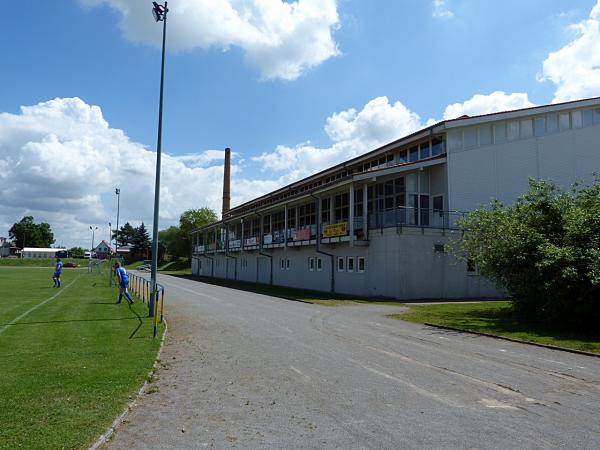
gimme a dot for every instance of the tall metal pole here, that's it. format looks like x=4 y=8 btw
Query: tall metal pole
x=118 y=192
x=153 y=298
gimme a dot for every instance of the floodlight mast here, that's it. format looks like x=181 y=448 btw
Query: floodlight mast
x=160 y=14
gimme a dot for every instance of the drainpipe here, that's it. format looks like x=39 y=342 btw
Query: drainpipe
x=318 y=200
x=260 y=252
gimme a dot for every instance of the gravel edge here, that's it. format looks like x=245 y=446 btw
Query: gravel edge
x=103 y=438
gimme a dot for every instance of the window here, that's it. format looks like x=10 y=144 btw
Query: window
x=403 y=156
x=325 y=210
x=350 y=264
x=282 y=263
x=425 y=150
x=539 y=126
x=437 y=146
x=311 y=264
x=597 y=116
x=340 y=263
x=563 y=121
x=471 y=267
x=588 y=118
x=470 y=137
x=413 y=154
x=287 y=264
x=319 y=264
x=526 y=128
x=512 y=130
x=361 y=264
x=552 y=123
x=500 y=133
x=576 y=119
x=485 y=135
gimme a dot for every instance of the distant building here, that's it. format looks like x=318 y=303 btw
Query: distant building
x=41 y=253
x=103 y=250
x=5 y=246
x=379 y=224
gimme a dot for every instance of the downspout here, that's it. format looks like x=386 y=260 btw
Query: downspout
x=260 y=252
x=318 y=217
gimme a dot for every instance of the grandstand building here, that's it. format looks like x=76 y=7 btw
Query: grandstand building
x=379 y=224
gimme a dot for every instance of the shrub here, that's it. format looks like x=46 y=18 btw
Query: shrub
x=544 y=250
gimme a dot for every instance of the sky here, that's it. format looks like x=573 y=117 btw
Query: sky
x=292 y=87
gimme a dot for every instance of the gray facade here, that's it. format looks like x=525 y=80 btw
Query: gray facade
x=379 y=225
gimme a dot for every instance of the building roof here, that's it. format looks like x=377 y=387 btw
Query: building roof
x=103 y=242
x=432 y=130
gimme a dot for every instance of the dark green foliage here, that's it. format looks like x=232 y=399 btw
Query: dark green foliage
x=124 y=235
x=544 y=250
x=141 y=238
x=77 y=252
x=30 y=234
x=177 y=241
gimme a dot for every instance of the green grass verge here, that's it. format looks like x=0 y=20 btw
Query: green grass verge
x=496 y=318
x=17 y=262
x=70 y=366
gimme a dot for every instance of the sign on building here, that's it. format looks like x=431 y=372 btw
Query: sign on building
x=336 y=229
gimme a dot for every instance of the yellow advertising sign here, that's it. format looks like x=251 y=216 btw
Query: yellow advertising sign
x=336 y=229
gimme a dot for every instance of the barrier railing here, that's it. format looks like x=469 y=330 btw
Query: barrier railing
x=142 y=289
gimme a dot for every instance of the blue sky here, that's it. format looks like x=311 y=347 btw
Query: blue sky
x=292 y=87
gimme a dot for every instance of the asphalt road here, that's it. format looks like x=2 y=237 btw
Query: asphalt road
x=242 y=370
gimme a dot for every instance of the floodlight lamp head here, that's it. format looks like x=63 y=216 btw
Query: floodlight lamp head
x=117 y=191
x=158 y=11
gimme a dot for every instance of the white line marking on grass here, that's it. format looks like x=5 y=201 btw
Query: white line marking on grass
x=12 y=322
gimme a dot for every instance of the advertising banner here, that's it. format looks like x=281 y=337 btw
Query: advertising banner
x=336 y=229
x=268 y=239
x=302 y=235
x=251 y=241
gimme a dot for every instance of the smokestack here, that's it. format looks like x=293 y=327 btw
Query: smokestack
x=226 y=183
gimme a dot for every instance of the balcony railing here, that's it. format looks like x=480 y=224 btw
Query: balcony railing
x=415 y=217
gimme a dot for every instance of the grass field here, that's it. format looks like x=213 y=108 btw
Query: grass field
x=71 y=358
x=498 y=319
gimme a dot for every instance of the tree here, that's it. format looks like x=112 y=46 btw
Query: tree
x=28 y=233
x=172 y=242
x=191 y=220
x=77 y=252
x=124 y=235
x=544 y=250
x=141 y=239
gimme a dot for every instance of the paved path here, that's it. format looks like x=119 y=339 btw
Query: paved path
x=243 y=370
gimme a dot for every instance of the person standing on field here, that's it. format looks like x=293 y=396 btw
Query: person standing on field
x=123 y=278
x=57 y=272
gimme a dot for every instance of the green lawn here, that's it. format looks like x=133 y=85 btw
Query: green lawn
x=496 y=318
x=69 y=366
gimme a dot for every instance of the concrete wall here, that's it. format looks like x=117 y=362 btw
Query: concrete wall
x=478 y=174
x=401 y=264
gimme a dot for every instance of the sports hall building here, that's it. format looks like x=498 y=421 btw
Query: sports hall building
x=379 y=224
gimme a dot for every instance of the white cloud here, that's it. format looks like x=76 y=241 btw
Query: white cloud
x=484 y=104
x=441 y=11
x=60 y=162
x=575 y=68
x=281 y=38
x=352 y=133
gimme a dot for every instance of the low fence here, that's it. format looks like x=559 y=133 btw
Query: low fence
x=142 y=289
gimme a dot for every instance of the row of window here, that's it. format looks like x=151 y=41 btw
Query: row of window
x=521 y=129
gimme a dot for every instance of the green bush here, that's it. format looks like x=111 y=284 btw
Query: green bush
x=544 y=250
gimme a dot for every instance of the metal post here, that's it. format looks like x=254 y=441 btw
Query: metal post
x=118 y=192
x=158 y=154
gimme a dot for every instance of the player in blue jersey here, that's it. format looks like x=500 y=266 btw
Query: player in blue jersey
x=57 y=272
x=123 y=278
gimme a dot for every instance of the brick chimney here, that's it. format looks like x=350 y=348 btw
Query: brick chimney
x=226 y=184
